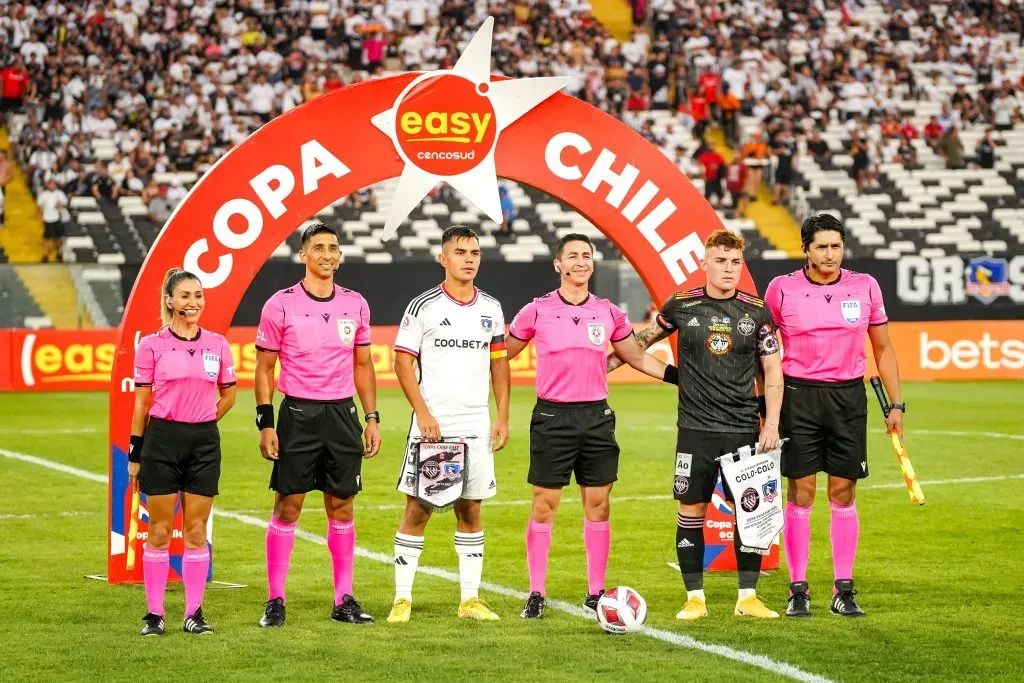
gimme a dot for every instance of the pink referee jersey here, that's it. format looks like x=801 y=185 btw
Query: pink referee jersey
x=184 y=374
x=823 y=326
x=572 y=342
x=315 y=339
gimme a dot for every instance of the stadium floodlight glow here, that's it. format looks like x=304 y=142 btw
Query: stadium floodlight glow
x=290 y=169
x=445 y=126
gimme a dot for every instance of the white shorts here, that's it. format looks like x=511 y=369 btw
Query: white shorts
x=480 y=482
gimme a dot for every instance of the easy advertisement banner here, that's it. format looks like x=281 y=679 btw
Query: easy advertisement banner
x=82 y=360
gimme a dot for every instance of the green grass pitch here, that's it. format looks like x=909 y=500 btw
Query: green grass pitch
x=937 y=582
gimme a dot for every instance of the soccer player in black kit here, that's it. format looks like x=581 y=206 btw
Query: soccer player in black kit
x=725 y=336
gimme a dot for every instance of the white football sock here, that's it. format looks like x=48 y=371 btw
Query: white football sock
x=695 y=594
x=470 y=548
x=407 y=557
x=746 y=593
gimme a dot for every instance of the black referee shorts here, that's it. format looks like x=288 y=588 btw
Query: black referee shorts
x=697 y=467
x=180 y=456
x=826 y=424
x=573 y=437
x=320 y=448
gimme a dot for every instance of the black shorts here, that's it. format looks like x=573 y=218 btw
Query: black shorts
x=826 y=424
x=697 y=467
x=713 y=188
x=573 y=437
x=180 y=456
x=53 y=231
x=320 y=448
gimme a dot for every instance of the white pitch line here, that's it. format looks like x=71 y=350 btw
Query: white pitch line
x=635 y=499
x=40 y=515
x=51 y=465
x=43 y=431
x=749 y=658
x=940 y=482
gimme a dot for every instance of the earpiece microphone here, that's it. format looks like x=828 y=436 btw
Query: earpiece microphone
x=180 y=312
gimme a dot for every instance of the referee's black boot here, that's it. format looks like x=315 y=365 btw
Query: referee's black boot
x=534 y=607
x=799 y=600
x=590 y=602
x=843 y=603
x=350 y=612
x=154 y=625
x=196 y=624
x=273 y=613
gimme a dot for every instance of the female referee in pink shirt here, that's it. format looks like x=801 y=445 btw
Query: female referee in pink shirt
x=824 y=313
x=572 y=428
x=184 y=383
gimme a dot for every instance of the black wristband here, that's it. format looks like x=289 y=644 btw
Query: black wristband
x=135 y=448
x=762 y=407
x=671 y=375
x=265 y=416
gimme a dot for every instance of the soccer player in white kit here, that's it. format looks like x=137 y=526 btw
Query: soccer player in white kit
x=455 y=333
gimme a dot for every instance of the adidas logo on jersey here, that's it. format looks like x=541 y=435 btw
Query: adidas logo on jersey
x=445 y=322
x=693 y=322
x=685 y=543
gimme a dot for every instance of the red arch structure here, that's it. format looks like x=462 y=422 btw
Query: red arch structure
x=291 y=168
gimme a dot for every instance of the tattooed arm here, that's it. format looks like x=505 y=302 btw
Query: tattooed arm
x=646 y=338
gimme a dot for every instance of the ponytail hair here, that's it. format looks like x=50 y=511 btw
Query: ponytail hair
x=172 y=279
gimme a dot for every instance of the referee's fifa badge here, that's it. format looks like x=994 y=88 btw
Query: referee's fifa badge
x=746 y=325
x=851 y=310
x=719 y=343
x=346 y=330
x=596 y=333
x=486 y=323
x=211 y=363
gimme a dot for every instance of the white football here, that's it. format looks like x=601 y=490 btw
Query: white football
x=621 y=610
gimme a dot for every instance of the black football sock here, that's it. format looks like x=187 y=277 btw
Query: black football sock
x=690 y=550
x=748 y=563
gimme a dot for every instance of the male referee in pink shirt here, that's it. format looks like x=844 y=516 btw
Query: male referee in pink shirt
x=823 y=313
x=321 y=334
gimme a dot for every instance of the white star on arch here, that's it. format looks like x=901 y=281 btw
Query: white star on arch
x=510 y=99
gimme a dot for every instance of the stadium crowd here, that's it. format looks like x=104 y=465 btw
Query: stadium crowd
x=174 y=84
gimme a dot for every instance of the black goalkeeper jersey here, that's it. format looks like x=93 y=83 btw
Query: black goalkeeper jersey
x=720 y=342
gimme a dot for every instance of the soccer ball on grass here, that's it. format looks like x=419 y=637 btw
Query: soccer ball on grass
x=621 y=610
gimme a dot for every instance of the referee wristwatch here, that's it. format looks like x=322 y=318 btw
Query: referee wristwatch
x=372 y=416
x=902 y=407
